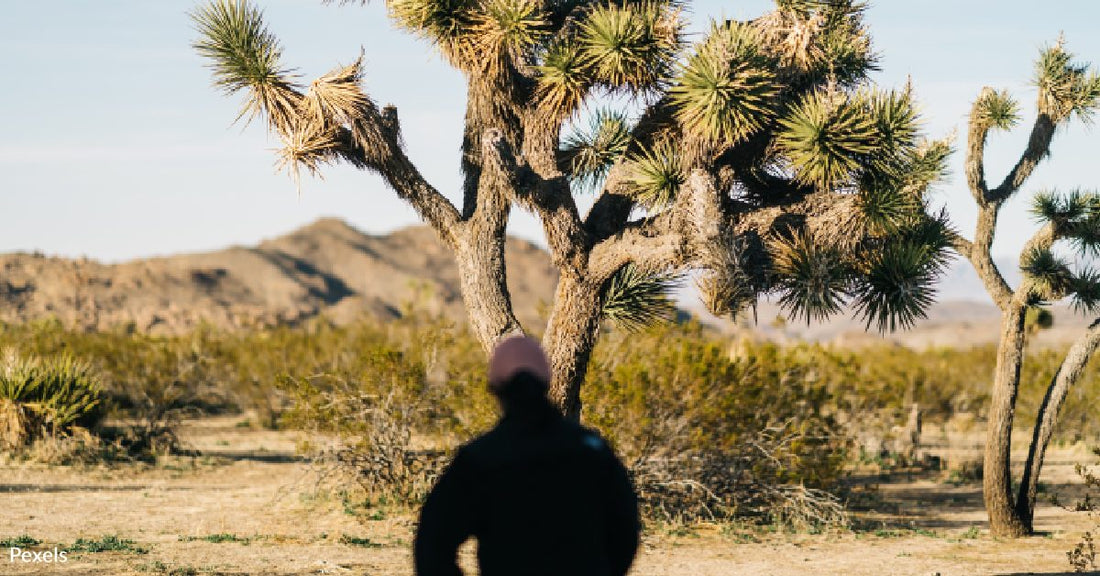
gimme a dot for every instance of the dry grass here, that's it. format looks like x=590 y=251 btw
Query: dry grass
x=196 y=514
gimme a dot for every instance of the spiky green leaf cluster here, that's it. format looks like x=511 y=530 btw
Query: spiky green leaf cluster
x=896 y=120
x=927 y=164
x=61 y=391
x=885 y=206
x=446 y=23
x=563 y=78
x=244 y=55
x=334 y=111
x=847 y=55
x=1065 y=87
x=1051 y=206
x=892 y=196
x=475 y=35
x=655 y=176
x=812 y=279
x=869 y=140
x=727 y=90
x=827 y=138
x=1085 y=290
x=632 y=45
x=1048 y=275
x=996 y=109
x=634 y=299
x=1075 y=215
x=510 y=27
x=898 y=281
x=591 y=152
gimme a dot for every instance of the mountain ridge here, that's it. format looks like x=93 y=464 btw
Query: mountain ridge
x=330 y=268
x=326 y=267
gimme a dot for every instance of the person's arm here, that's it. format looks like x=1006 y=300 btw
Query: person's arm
x=445 y=522
x=623 y=523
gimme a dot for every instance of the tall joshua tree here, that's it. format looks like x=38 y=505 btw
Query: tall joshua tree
x=760 y=156
x=1066 y=89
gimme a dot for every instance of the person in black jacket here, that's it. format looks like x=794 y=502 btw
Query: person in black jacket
x=541 y=494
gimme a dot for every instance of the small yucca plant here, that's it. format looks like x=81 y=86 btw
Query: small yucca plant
x=40 y=396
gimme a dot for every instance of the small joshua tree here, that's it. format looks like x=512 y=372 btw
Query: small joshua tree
x=1066 y=89
x=760 y=156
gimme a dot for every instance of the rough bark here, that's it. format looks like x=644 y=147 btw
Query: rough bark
x=483 y=280
x=479 y=247
x=977 y=133
x=997 y=473
x=1038 y=147
x=1008 y=516
x=399 y=172
x=1068 y=374
x=981 y=258
x=570 y=336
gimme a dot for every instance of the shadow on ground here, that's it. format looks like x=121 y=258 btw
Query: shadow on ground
x=923 y=500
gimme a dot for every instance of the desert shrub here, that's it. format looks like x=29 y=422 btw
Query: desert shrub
x=394 y=399
x=46 y=396
x=1083 y=555
x=712 y=426
x=713 y=436
x=707 y=437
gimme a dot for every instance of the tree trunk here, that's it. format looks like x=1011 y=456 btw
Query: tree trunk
x=1068 y=374
x=479 y=252
x=570 y=336
x=997 y=466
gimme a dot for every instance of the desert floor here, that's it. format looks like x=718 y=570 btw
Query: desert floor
x=275 y=518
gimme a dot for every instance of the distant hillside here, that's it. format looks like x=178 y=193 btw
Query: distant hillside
x=949 y=324
x=326 y=267
x=330 y=268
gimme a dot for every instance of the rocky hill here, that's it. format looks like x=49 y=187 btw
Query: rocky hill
x=327 y=268
x=330 y=268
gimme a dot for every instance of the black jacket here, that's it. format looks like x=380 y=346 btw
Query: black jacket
x=542 y=495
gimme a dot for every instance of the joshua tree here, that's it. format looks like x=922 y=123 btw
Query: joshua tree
x=759 y=156
x=1066 y=89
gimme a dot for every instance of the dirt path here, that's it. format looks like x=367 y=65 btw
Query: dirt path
x=249 y=506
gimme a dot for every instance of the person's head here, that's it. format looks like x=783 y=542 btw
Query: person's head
x=519 y=372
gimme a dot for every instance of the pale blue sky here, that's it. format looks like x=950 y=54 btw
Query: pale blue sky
x=113 y=144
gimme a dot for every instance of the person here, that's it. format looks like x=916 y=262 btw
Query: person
x=541 y=494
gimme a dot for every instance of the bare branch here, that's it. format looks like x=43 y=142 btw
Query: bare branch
x=1038 y=147
x=497 y=177
x=676 y=237
x=546 y=192
x=977 y=132
x=650 y=246
x=391 y=162
x=612 y=208
x=979 y=254
x=1068 y=374
x=960 y=244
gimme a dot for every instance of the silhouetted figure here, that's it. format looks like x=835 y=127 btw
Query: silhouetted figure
x=541 y=494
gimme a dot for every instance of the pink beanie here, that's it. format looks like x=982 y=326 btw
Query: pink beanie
x=516 y=354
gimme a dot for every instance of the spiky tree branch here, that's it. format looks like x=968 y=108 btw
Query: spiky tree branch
x=332 y=119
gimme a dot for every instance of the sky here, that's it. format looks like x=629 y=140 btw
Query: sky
x=113 y=144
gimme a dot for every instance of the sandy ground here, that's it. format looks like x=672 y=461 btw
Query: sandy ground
x=249 y=484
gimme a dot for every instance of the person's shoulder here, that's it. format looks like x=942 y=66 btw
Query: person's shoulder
x=486 y=442
x=585 y=436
